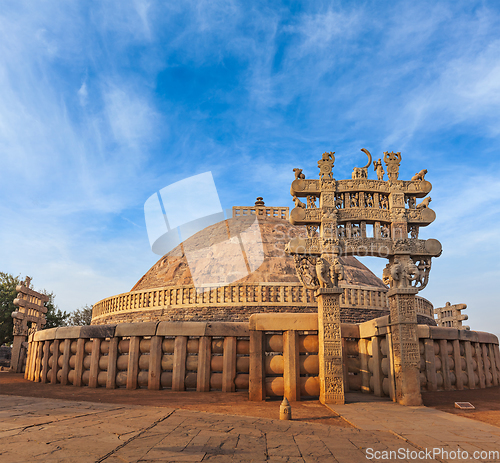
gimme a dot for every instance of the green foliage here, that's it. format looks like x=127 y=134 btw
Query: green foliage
x=8 y=283
x=8 y=293
x=55 y=317
x=81 y=316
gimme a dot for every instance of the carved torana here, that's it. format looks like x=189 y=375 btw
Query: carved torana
x=28 y=318
x=365 y=217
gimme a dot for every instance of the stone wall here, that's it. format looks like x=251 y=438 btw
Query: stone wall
x=230 y=314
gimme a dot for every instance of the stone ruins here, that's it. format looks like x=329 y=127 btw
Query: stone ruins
x=451 y=316
x=29 y=317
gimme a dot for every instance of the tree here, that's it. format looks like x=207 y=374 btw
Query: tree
x=82 y=316
x=8 y=293
x=8 y=283
x=55 y=317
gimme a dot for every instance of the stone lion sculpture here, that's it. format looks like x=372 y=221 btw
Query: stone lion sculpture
x=419 y=175
x=298 y=202
x=424 y=203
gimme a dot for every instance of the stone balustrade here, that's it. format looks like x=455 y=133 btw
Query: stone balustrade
x=450 y=359
x=271 y=355
x=177 y=356
x=280 y=212
x=290 y=295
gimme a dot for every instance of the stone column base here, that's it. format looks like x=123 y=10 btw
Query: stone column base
x=405 y=348
x=331 y=373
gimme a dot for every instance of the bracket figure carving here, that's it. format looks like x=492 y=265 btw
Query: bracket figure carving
x=306 y=270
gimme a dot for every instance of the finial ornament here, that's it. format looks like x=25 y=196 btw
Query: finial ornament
x=392 y=161
x=325 y=165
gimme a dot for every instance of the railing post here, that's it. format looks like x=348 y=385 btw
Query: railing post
x=291 y=373
x=256 y=388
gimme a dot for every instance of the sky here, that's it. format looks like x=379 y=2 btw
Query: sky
x=102 y=104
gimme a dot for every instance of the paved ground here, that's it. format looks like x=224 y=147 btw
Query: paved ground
x=426 y=429
x=57 y=430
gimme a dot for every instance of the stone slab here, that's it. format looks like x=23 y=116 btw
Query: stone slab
x=181 y=329
x=437 y=332
x=98 y=331
x=349 y=330
x=283 y=321
x=227 y=329
x=136 y=329
x=372 y=328
x=68 y=332
x=45 y=335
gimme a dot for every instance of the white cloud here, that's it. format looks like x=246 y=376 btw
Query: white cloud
x=83 y=94
x=132 y=118
x=321 y=30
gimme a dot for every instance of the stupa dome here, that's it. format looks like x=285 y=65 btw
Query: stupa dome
x=237 y=267
x=173 y=269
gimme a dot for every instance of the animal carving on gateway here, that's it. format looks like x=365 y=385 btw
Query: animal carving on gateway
x=362 y=172
x=424 y=203
x=419 y=175
x=298 y=202
x=299 y=174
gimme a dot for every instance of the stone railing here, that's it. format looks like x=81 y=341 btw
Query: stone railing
x=424 y=307
x=272 y=355
x=449 y=358
x=245 y=295
x=284 y=359
x=279 y=212
x=177 y=356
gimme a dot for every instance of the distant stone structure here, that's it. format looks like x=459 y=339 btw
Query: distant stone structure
x=451 y=316
x=29 y=317
x=261 y=209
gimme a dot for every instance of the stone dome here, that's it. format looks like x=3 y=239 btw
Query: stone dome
x=238 y=267
x=173 y=268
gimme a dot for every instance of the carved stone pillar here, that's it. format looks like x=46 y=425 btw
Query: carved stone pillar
x=331 y=376
x=16 y=360
x=406 y=353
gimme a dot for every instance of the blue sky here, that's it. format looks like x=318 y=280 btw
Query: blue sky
x=104 y=103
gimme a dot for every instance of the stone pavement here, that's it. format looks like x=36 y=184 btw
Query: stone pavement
x=48 y=430
x=425 y=428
